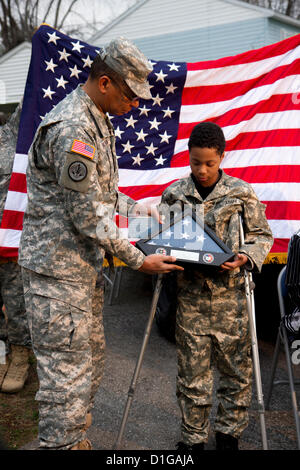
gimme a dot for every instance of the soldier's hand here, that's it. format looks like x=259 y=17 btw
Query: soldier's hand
x=150 y=211
x=239 y=260
x=159 y=264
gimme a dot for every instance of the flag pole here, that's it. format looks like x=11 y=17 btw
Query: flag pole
x=249 y=291
x=139 y=361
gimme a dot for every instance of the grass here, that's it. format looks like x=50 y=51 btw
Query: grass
x=19 y=413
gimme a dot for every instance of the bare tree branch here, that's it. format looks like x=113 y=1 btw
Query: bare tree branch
x=58 y=5
x=286 y=7
x=67 y=13
x=20 y=18
x=50 y=4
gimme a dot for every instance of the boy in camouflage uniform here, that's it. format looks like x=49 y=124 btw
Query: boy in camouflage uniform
x=72 y=183
x=212 y=319
x=13 y=324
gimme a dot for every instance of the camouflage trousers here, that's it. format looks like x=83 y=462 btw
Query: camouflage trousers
x=212 y=329
x=13 y=323
x=65 y=321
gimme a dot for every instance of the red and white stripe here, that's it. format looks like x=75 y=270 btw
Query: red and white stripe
x=255 y=98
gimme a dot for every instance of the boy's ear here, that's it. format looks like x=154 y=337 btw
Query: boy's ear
x=222 y=156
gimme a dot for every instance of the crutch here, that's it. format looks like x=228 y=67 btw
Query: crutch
x=249 y=290
x=140 y=359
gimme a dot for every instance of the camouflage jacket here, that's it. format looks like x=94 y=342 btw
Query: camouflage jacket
x=8 y=142
x=229 y=198
x=72 y=184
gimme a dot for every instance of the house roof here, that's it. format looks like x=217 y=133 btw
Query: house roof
x=262 y=12
x=13 y=73
x=16 y=50
x=268 y=12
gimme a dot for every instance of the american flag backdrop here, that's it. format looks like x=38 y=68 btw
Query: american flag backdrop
x=254 y=97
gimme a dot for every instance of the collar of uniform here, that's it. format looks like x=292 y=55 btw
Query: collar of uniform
x=190 y=189
x=102 y=120
x=219 y=190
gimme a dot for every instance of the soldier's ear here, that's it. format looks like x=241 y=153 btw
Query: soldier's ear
x=104 y=83
x=222 y=156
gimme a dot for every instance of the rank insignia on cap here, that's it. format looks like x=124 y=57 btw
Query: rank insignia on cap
x=83 y=149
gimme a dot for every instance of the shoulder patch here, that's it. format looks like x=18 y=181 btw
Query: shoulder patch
x=76 y=173
x=82 y=148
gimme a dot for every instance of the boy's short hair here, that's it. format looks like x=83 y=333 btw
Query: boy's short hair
x=207 y=134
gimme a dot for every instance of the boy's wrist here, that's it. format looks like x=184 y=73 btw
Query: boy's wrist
x=249 y=265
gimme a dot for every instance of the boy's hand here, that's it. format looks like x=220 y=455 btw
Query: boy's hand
x=239 y=260
x=159 y=264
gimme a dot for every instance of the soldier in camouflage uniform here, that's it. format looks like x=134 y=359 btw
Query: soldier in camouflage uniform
x=72 y=182
x=13 y=323
x=212 y=319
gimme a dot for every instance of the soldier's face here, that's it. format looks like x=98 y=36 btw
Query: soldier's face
x=205 y=163
x=120 y=100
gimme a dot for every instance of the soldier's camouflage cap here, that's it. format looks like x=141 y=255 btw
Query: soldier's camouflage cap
x=130 y=63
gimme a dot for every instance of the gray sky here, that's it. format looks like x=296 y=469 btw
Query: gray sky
x=92 y=15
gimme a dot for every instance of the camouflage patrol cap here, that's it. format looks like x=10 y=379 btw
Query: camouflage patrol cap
x=130 y=63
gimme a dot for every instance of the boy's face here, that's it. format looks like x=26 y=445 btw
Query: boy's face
x=205 y=163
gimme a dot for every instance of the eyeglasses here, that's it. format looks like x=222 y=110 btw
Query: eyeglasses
x=126 y=95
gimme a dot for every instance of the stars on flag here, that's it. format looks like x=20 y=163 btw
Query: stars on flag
x=53 y=37
x=160 y=160
x=185 y=233
x=48 y=92
x=66 y=66
x=137 y=160
x=127 y=147
x=165 y=137
x=130 y=121
x=75 y=71
x=87 y=62
x=64 y=55
x=171 y=88
x=118 y=132
x=144 y=110
x=50 y=65
x=61 y=82
x=157 y=99
x=77 y=46
x=154 y=124
x=173 y=67
x=151 y=148
x=201 y=238
x=145 y=137
x=141 y=135
x=161 y=76
x=168 y=112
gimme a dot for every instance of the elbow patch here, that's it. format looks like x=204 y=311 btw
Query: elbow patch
x=76 y=173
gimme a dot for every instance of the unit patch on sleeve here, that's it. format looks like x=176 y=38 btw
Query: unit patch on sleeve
x=83 y=149
x=77 y=171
